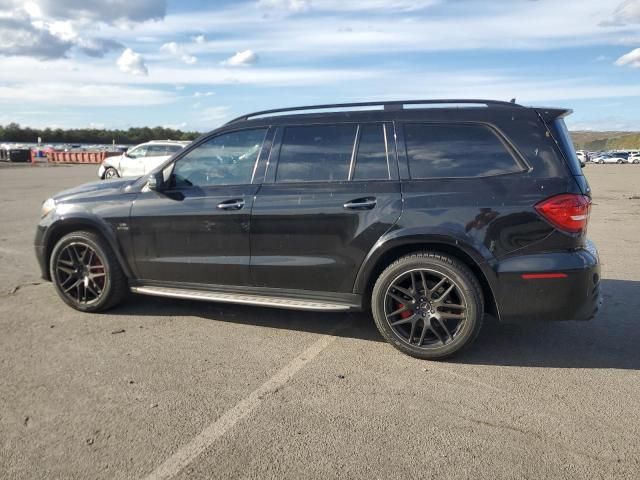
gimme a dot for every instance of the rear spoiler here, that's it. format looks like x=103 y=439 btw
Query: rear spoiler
x=549 y=114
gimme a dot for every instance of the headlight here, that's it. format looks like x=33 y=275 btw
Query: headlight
x=47 y=207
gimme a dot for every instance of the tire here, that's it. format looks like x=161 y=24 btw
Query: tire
x=619 y=162
x=601 y=162
x=636 y=161
x=85 y=281
x=438 y=342
x=110 y=172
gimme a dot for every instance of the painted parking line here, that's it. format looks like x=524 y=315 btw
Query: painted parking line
x=189 y=452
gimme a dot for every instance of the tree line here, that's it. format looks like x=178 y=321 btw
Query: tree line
x=13 y=132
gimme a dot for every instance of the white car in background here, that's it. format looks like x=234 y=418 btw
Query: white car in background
x=634 y=158
x=610 y=158
x=140 y=159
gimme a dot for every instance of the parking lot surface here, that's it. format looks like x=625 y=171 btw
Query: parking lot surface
x=163 y=388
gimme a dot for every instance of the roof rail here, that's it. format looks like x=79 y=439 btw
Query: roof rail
x=390 y=105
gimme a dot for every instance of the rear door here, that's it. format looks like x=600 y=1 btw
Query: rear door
x=330 y=192
x=156 y=155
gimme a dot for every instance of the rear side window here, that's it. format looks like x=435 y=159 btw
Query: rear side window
x=171 y=149
x=371 y=162
x=439 y=151
x=316 y=153
x=564 y=140
x=156 y=150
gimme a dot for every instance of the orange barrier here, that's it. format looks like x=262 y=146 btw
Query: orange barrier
x=79 y=157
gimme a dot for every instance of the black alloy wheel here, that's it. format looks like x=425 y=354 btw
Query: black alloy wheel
x=80 y=273
x=428 y=305
x=425 y=308
x=86 y=273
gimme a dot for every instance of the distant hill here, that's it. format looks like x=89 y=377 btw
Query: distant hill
x=587 y=140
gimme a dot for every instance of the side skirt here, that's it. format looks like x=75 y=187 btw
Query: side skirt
x=294 y=300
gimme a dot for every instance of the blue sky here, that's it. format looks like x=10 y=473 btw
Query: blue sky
x=195 y=64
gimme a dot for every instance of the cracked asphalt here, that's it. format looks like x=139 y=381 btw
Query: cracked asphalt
x=164 y=388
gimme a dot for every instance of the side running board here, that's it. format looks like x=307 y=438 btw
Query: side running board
x=261 y=300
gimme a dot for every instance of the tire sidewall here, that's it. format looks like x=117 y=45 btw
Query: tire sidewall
x=458 y=275
x=113 y=170
x=108 y=285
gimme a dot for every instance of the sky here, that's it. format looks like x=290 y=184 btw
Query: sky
x=195 y=64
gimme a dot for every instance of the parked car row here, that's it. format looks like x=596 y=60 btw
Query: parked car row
x=626 y=156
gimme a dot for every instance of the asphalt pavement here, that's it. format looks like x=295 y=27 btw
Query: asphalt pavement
x=161 y=388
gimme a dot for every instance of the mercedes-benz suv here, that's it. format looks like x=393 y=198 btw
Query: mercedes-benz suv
x=430 y=213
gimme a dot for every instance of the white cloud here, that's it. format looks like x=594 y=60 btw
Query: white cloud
x=106 y=11
x=215 y=114
x=132 y=62
x=242 y=59
x=200 y=39
x=627 y=12
x=203 y=94
x=632 y=59
x=288 y=5
x=172 y=48
x=40 y=29
x=90 y=95
x=20 y=37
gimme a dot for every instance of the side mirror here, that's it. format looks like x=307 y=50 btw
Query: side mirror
x=155 y=181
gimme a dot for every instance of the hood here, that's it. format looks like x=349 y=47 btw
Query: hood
x=95 y=189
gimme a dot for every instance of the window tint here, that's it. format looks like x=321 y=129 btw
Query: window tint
x=456 y=151
x=227 y=159
x=171 y=149
x=316 y=153
x=156 y=150
x=371 y=158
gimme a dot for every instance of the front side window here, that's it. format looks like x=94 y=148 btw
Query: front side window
x=137 y=152
x=316 y=153
x=227 y=159
x=455 y=150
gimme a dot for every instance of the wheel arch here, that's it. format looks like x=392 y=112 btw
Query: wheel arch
x=65 y=226
x=386 y=254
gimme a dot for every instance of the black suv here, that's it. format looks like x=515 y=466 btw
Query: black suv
x=431 y=213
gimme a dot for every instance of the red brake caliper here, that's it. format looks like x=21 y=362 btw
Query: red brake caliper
x=406 y=313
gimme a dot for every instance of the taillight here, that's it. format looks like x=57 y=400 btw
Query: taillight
x=567 y=211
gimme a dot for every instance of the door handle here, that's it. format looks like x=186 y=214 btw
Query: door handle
x=235 y=204
x=366 y=203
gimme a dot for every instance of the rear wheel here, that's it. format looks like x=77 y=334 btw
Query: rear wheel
x=619 y=161
x=428 y=305
x=110 y=172
x=86 y=273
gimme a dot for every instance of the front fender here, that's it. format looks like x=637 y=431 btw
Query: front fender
x=54 y=226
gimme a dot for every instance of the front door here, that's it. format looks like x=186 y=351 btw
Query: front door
x=132 y=162
x=197 y=229
x=333 y=193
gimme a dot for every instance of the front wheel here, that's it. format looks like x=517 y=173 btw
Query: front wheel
x=110 y=172
x=86 y=273
x=428 y=305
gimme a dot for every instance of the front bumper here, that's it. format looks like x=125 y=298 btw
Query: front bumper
x=550 y=286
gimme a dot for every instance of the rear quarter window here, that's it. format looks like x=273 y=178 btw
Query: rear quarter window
x=456 y=150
